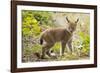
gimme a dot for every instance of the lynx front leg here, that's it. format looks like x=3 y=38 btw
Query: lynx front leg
x=70 y=45
x=63 y=48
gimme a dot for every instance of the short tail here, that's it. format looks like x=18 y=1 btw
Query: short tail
x=41 y=40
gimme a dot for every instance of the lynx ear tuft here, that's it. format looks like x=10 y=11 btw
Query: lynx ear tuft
x=77 y=20
x=67 y=20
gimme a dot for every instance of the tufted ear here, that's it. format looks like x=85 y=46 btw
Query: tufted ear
x=67 y=20
x=77 y=20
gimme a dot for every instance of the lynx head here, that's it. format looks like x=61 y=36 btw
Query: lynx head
x=72 y=25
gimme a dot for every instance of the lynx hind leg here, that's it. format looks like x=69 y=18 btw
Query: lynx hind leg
x=63 y=48
x=45 y=49
x=43 y=52
x=48 y=49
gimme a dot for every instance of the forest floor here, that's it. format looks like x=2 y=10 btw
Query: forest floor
x=65 y=57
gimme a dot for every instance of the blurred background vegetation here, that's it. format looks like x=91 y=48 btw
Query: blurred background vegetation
x=35 y=22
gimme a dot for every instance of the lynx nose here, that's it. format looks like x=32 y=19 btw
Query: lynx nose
x=70 y=30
